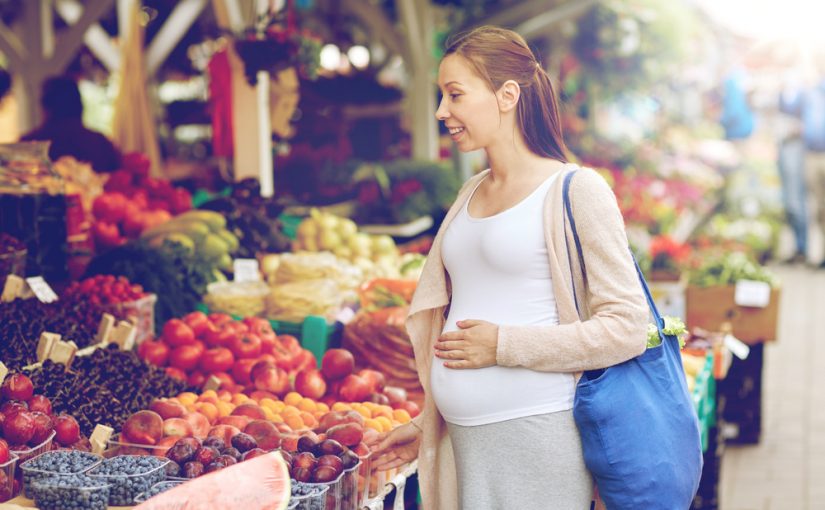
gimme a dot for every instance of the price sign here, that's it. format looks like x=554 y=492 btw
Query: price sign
x=100 y=438
x=246 y=270
x=753 y=294
x=3 y=372
x=737 y=347
x=41 y=289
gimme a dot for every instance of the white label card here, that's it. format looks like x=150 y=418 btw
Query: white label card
x=753 y=294
x=3 y=372
x=41 y=289
x=246 y=270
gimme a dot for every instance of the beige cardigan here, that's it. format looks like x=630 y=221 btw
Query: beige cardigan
x=616 y=307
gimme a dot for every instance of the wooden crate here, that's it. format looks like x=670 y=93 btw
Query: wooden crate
x=710 y=307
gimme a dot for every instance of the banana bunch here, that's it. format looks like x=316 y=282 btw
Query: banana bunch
x=321 y=231
x=202 y=233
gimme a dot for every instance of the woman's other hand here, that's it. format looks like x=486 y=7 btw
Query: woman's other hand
x=398 y=448
x=472 y=346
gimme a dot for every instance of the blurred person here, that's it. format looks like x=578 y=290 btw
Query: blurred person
x=737 y=116
x=808 y=103
x=791 y=166
x=63 y=127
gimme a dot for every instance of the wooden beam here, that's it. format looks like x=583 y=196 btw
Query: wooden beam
x=537 y=24
x=71 y=41
x=124 y=7
x=12 y=47
x=96 y=39
x=172 y=31
x=380 y=26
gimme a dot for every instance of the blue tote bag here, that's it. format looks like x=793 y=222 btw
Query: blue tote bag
x=639 y=430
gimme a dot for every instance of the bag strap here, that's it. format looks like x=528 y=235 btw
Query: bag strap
x=569 y=210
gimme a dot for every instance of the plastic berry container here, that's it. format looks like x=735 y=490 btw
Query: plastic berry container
x=56 y=463
x=351 y=497
x=34 y=451
x=315 y=497
x=7 y=469
x=156 y=489
x=72 y=492
x=129 y=476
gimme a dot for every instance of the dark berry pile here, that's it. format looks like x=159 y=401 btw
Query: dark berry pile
x=103 y=388
x=157 y=489
x=130 y=475
x=71 y=492
x=309 y=496
x=57 y=462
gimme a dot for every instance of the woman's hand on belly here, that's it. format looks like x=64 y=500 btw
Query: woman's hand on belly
x=473 y=345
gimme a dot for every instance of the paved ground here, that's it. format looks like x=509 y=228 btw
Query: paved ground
x=786 y=471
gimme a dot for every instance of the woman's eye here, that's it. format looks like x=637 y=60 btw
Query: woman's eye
x=453 y=96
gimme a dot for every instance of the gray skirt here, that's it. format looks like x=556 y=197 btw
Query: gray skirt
x=527 y=463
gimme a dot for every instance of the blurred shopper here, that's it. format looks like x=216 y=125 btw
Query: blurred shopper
x=63 y=127
x=808 y=103
x=498 y=342
x=791 y=166
x=737 y=116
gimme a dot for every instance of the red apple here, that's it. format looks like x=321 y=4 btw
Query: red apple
x=310 y=383
x=143 y=427
x=40 y=403
x=374 y=378
x=4 y=452
x=18 y=429
x=265 y=434
x=355 y=388
x=17 y=387
x=337 y=364
x=43 y=427
x=67 y=430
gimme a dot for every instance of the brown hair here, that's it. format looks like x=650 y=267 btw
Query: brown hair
x=498 y=55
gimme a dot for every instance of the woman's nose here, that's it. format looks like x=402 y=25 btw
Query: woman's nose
x=441 y=113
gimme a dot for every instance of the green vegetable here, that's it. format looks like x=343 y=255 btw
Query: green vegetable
x=729 y=269
x=673 y=326
x=178 y=278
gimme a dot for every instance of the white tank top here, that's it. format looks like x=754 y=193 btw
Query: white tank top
x=500 y=272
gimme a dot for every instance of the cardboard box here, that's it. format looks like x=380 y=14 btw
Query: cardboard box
x=710 y=307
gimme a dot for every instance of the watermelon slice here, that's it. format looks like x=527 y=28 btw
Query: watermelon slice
x=256 y=484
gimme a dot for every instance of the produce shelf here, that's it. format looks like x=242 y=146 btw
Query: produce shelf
x=396 y=484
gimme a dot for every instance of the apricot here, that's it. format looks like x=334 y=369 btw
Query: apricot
x=209 y=410
x=293 y=398
x=401 y=416
x=306 y=404
x=187 y=398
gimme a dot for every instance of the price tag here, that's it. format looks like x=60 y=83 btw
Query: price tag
x=246 y=270
x=104 y=330
x=63 y=352
x=3 y=372
x=45 y=344
x=100 y=438
x=737 y=347
x=124 y=335
x=213 y=383
x=13 y=288
x=753 y=294
x=41 y=289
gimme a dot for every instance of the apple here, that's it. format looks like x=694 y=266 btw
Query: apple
x=143 y=427
x=17 y=387
x=310 y=383
x=337 y=364
x=374 y=378
x=43 y=427
x=40 y=403
x=19 y=428
x=348 y=434
x=67 y=430
x=4 y=451
x=265 y=433
x=10 y=407
x=355 y=388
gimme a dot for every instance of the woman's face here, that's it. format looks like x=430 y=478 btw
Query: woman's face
x=468 y=108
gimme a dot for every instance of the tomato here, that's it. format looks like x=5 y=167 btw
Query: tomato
x=240 y=327
x=198 y=321
x=156 y=353
x=177 y=333
x=242 y=369
x=220 y=335
x=196 y=379
x=305 y=360
x=176 y=373
x=185 y=357
x=290 y=343
x=217 y=359
x=246 y=346
x=106 y=235
x=219 y=318
x=263 y=330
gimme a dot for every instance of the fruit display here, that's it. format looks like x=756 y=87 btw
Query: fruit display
x=71 y=492
x=80 y=178
x=129 y=475
x=199 y=346
x=105 y=387
x=253 y=219
x=377 y=255
x=243 y=299
x=156 y=489
x=104 y=290
x=56 y=463
x=118 y=217
x=12 y=258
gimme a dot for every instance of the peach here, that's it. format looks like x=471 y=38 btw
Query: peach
x=236 y=421
x=290 y=442
x=265 y=433
x=251 y=410
x=167 y=408
x=355 y=388
x=267 y=376
x=259 y=395
x=209 y=410
x=199 y=423
x=177 y=427
x=333 y=418
x=143 y=427
x=348 y=434
x=225 y=432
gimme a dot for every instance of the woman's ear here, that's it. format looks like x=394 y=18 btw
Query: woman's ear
x=508 y=95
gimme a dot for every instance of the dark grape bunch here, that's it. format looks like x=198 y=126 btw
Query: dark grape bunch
x=130 y=475
x=72 y=492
